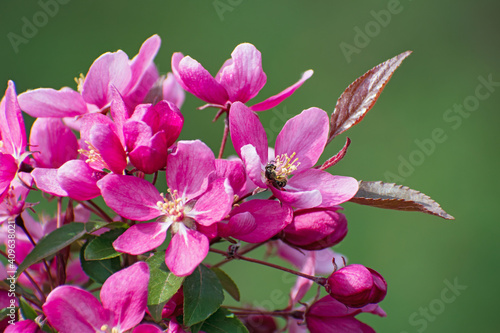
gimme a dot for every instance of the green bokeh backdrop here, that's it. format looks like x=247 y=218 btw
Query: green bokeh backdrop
x=454 y=43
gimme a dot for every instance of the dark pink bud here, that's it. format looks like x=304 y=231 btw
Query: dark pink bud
x=356 y=286
x=315 y=229
x=260 y=324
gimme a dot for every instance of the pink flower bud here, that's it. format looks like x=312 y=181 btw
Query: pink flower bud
x=315 y=229
x=356 y=286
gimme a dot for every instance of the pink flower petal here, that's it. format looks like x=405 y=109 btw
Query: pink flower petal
x=171 y=121
x=172 y=91
x=141 y=237
x=46 y=181
x=189 y=168
x=142 y=88
x=238 y=225
x=305 y=135
x=337 y=325
x=104 y=138
x=334 y=189
x=270 y=216
x=143 y=60
x=8 y=170
x=78 y=180
x=273 y=101
x=243 y=77
x=46 y=137
x=298 y=198
x=253 y=165
x=47 y=102
x=70 y=309
x=109 y=68
x=125 y=293
x=185 y=253
x=246 y=128
x=197 y=80
x=13 y=133
x=119 y=111
x=131 y=197
x=234 y=171
x=214 y=204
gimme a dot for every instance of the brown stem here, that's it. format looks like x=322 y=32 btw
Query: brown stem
x=246 y=249
x=316 y=279
x=224 y=137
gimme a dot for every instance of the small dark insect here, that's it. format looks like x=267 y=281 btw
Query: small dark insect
x=277 y=181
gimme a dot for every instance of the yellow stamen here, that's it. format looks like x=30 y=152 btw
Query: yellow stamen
x=79 y=81
x=93 y=155
x=173 y=205
x=285 y=166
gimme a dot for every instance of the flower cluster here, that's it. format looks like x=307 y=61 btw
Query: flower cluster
x=115 y=138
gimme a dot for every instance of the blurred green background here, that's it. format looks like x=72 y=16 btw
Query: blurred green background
x=454 y=44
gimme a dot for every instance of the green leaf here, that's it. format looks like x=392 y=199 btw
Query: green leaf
x=223 y=321
x=397 y=197
x=196 y=327
x=163 y=284
x=102 y=246
x=203 y=295
x=99 y=270
x=26 y=310
x=57 y=240
x=227 y=283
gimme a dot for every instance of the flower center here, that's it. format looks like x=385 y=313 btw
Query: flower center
x=79 y=81
x=172 y=206
x=277 y=172
x=93 y=155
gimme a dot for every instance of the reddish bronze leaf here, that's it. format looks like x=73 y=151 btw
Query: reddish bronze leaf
x=361 y=95
x=335 y=159
x=398 y=197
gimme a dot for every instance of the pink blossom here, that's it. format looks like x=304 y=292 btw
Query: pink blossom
x=132 y=78
x=239 y=79
x=124 y=298
x=149 y=132
x=356 y=286
x=298 y=147
x=316 y=228
x=193 y=205
x=256 y=221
